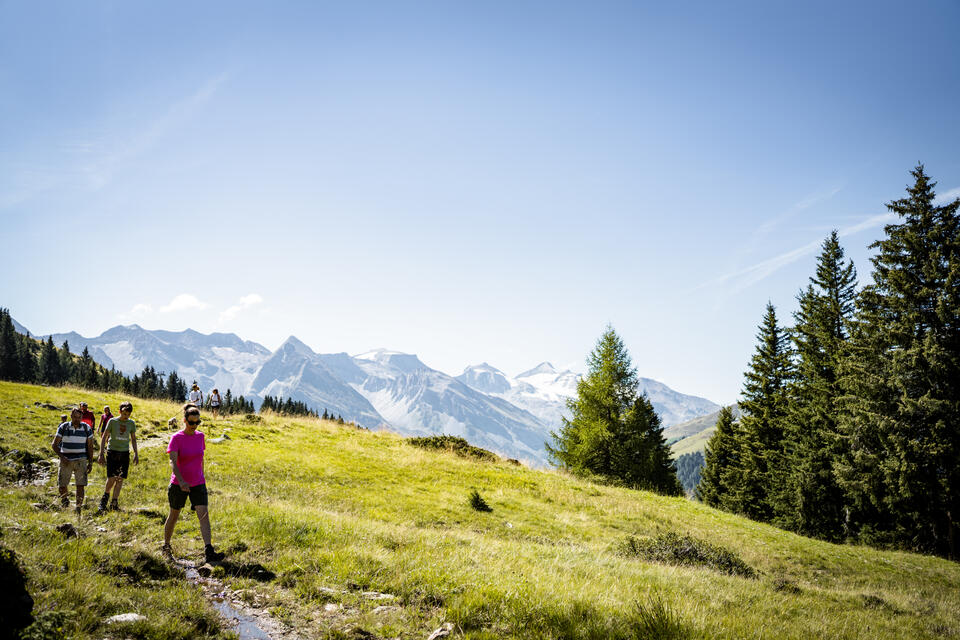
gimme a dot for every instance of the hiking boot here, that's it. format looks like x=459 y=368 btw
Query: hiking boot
x=64 y=502
x=212 y=556
x=167 y=551
x=77 y=509
x=114 y=506
x=103 y=503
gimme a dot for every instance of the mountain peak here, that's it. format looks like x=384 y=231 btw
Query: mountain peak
x=543 y=367
x=293 y=343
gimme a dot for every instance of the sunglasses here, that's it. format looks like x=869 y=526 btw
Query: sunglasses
x=197 y=421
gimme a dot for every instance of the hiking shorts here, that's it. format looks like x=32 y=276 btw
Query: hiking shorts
x=75 y=468
x=118 y=463
x=177 y=497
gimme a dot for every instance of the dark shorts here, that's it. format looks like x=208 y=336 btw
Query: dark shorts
x=118 y=463
x=177 y=497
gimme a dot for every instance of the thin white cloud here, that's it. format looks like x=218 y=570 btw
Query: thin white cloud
x=948 y=196
x=806 y=202
x=743 y=278
x=183 y=302
x=137 y=311
x=245 y=302
x=97 y=158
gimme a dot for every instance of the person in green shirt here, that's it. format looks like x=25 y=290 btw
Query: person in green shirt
x=122 y=434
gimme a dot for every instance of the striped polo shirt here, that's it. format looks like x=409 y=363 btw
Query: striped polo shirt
x=73 y=440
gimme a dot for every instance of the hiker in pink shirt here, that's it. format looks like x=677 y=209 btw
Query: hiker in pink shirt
x=186 y=458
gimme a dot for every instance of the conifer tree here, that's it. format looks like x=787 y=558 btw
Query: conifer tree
x=613 y=432
x=27 y=356
x=814 y=502
x=9 y=352
x=66 y=363
x=721 y=469
x=902 y=381
x=762 y=477
x=49 y=363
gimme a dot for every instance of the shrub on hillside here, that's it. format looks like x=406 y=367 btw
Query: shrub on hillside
x=455 y=444
x=671 y=548
x=477 y=503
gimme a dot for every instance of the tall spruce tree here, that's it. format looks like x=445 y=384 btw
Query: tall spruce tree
x=814 y=502
x=719 y=480
x=49 y=363
x=613 y=431
x=762 y=477
x=9 y=351
x=902 y=381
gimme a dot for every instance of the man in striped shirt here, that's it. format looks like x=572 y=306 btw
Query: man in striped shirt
x=74 y=446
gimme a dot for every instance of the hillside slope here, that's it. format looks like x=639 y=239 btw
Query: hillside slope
x=314 y=514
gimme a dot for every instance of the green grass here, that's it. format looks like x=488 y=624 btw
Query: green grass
x=330 y=512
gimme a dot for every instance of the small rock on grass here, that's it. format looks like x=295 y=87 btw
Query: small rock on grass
x=385 y=609
x=376 y=595
x=330 y=607
x=68 y=530
x=125 y=617
x=445 y=630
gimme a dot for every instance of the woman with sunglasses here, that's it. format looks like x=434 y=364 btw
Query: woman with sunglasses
x=186 y=458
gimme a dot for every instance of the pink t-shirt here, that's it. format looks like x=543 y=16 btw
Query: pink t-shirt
x=190 y=456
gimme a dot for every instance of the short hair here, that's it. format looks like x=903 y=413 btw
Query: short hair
x=126 y=406
x=82 y=403
x=75 y=410
x=106 y=408
x=190 y=409
x=63 y=416
x=215 y=390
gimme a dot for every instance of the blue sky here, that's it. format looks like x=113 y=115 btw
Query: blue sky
x=468 y=182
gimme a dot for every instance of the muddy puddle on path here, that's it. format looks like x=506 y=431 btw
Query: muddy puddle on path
x=250 y=623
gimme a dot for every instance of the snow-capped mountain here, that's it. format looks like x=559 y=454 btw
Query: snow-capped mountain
x=418 y=400
x=543 y=391
x=511 y=416
x=219 y=360
x=295 y=371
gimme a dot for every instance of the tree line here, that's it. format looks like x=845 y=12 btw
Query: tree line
x=850 y=426
x=27 y=359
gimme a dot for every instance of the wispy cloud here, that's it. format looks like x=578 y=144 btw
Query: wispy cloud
x=245 y=302
x=948 y=196
x=808 y=201
x=183 y=302
x=92 y=161
x=137 y=311
x=100 y=173
x=743 y=278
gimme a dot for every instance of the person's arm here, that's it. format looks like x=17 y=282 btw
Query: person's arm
x=184 y=485
x=133 y=443
x=57 y=439
x=103 y=445
x=90 y=451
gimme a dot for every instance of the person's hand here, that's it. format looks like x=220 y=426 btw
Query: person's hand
x=100 y=460
x=184 y=486
x=89 y=464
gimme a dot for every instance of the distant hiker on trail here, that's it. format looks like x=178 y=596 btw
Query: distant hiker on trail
x=105 y=418
x=73 y=444
x=186 y=459
x=87 y=416
x=122 y=434
x=215 y=402
x=196 y=396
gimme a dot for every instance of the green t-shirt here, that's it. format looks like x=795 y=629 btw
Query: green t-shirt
x=120 y=431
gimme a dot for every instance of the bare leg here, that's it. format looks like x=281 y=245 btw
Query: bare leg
x=80 y=492
x=169 y=525
x=117 y=485
x=203 y=516
x=110 y=482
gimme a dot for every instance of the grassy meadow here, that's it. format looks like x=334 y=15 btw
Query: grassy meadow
x=312 y=513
